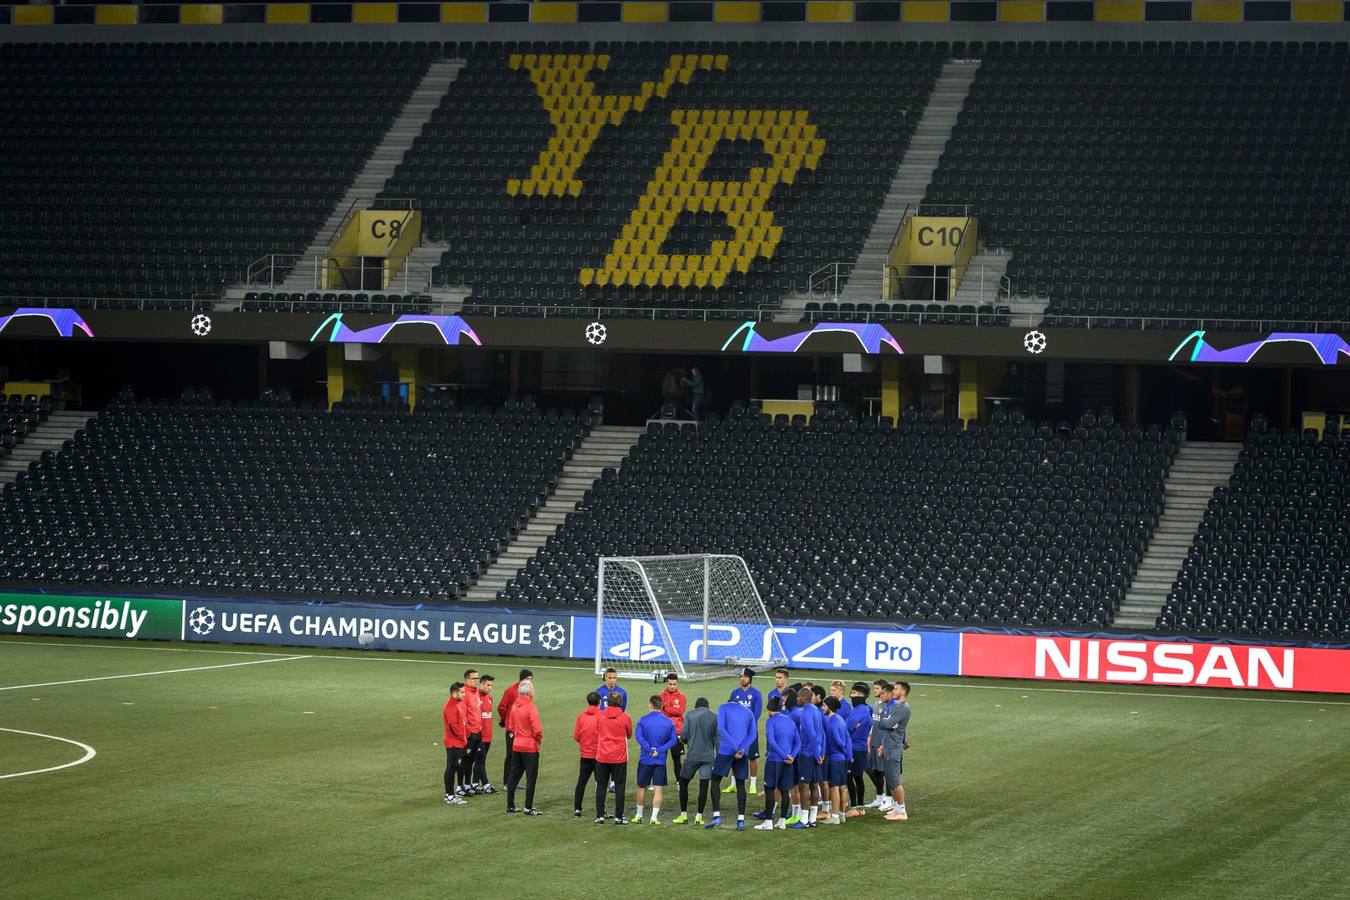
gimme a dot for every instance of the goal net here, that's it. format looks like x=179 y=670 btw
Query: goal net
x=699 y=616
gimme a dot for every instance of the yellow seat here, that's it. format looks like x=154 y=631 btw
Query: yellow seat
x=651 y=278
x=602 y=277
x=587 y=277
x=685 y=279
x=701 y=279
x=717 y=279
x=677 y=263
x=668 y=279
x=513 y=187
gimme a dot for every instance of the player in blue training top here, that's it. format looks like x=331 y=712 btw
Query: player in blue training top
x=655 y=736
x=783 y=744
x=736 y=728
x=611 y=686
x=859 y=727
x=751 y=699
x=838 y=750
x=811 y=728
x=780 y=683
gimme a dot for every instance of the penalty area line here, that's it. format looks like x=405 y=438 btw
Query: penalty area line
x=89 y=753
x=251 y=662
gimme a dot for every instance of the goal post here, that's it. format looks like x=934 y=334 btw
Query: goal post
x=697 y=615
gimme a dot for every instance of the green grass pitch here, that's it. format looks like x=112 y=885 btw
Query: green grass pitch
x=255 y=775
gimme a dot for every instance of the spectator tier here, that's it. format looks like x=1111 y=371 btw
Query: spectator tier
x=1012 y=523
x=282 y=500
x=1187 y=181
x=675 y=176
x=1272 y=555
x=161 y=170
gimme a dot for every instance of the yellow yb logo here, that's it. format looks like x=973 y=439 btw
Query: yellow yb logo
x=578 y=114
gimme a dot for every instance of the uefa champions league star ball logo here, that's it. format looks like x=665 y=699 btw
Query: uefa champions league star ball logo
x=596 y=333
x=552 y=636
x=1034 y=342
x=202 y=621
x=201 y=325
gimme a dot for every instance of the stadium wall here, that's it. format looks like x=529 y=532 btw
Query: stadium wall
x=872 y=647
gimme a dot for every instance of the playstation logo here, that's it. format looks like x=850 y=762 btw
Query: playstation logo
x=639 y=646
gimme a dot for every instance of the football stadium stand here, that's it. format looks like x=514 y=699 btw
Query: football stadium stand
x=190 y=160
x=283 y=499
x=543 y=206
x=1010 y=523
x=1189 y=181
x=1272 y=556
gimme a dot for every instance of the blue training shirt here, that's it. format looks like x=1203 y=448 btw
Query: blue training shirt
x=604 y=693
x=860 y=726
x=780 y=732
x=736 y=728
x=750 y=698
x=811 y=726
x=656 y=732
x=837 y=745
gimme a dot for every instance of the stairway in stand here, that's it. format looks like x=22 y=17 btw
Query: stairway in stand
x=605 y=447
x=50 y=435
x=379 y=168
x=1199 y=467
x=911 y=179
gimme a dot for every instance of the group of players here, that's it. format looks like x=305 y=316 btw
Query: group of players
x=821 y=745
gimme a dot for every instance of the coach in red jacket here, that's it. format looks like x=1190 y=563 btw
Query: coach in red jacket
x=523 y=722
x=585 y=734
x=613 y=732
x=504 y=707
x=456 y=737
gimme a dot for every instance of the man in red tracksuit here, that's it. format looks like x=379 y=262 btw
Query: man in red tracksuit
x=674 y=704
x=504 y=707
x=613 y=733
x=472 y=718
x=480 y=775
x=523 y=722
x=584 y=733
x=456 y=737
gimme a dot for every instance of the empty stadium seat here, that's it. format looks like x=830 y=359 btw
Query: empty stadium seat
x=1272 y=555
x=1013 y=523
x=278 y=499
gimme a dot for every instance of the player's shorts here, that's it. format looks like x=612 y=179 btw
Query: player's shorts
x=838 y=772
x=739 y=768
x=779 y=776
x=893 y=769
x=753 y=752
x=859 y=764
x=807 y=770
x=651 y=775
x=691 y=770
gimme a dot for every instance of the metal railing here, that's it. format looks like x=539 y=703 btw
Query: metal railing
x=272 y=272
x=828 y=278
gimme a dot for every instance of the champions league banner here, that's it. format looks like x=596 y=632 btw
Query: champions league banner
x=1128 y=659
x=493 y=631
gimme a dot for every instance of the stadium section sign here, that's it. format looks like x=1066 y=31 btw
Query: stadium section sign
x=435 y=630
x=90 y=616
x=1177 y=663
x=807 y=646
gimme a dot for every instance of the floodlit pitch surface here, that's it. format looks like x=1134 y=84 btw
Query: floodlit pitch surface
x=239 y=773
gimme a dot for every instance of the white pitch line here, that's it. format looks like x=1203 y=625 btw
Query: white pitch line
x=89 y=753
x=130 y=646
x=251 y=662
